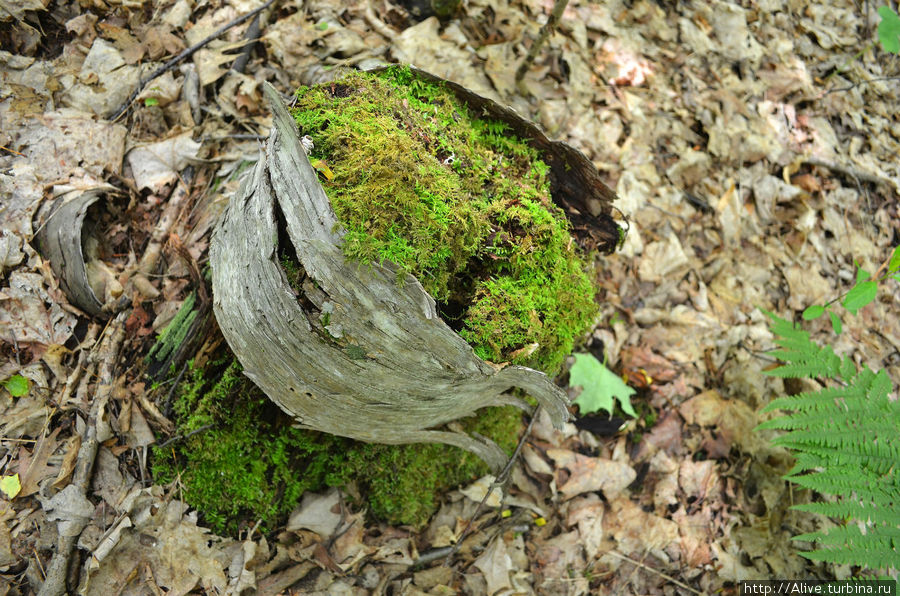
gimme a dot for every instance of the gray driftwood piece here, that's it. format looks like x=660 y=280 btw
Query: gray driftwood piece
x=387 y=368
x=60 y=241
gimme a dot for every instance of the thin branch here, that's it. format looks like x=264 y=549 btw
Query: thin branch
x=377 y=24
x=859 y=83
x=546 y=30
x=108 y=352
x=847 y=171
x=654 y=571
x=190 y=434
x=498 y=483
x=187 y=53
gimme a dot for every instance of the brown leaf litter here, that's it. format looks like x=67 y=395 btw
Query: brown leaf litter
x=753 y=151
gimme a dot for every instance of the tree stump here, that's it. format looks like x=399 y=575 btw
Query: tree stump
x=397 y=371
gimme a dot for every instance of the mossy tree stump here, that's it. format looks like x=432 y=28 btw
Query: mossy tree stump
x=348 y=350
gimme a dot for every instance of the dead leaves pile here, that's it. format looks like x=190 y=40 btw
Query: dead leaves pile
x=752 y=148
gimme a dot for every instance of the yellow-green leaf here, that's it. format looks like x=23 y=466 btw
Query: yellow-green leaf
x=10 y=486
x=322 y=168
x=894 y=264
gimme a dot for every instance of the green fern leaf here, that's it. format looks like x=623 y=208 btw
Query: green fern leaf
x=846 y=440
x=847 y=545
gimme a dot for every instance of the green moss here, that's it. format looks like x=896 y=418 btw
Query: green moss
x=458 y=202
x=246 y=462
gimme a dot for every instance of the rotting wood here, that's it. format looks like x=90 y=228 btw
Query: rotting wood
x=398 y=370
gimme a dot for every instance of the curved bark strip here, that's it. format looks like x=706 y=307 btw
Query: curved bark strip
x=392 y=368
x=60 y=242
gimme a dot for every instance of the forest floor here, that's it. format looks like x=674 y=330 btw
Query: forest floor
x=753 y=147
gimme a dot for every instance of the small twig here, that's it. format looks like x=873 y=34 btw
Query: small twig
x=186 y=54
x=74 y=379
x=139 y=279
x=847 y=171
x=377 y=24
x=498 y=483
x=108 y=353
x=546 y=30
x=252 y=37
x=238 y=136
x=859 y=83
x=659 y=573
x=432 y=555
x=190 y=434
x=167 y=405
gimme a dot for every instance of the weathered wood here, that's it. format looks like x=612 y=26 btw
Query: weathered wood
x=388 y=369
x=60 y=241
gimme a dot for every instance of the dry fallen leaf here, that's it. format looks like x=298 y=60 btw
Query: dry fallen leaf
x=158 y=164
x=636 y=531
x=587 y=513
x=165 y=537
x=478 y=489
x=320 y=513
x=588 y=474
x=34 y=466
x=496 y=566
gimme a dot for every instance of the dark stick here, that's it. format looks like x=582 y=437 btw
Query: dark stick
x=547 y=29
x=252 y=36
x=187 y=54
x=499 y=482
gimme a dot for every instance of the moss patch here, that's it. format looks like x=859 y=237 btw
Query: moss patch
x=246 y=462
x=456 y=201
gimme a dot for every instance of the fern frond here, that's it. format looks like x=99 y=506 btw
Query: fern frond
x=854 y=460
x=805 y=358
x=866 y=513
x=846 y=440
x=864 y=486
x=848 y=545
x=861 y=384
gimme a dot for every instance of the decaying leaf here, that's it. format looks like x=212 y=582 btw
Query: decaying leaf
x=496 y=566
x=478 y=489
x=588 y=474
x=320 y=513
x=165 y=537
x=158 y=164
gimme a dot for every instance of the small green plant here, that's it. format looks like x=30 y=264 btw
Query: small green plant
x=846 y=439
x=17 y=385
x=861 y=294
